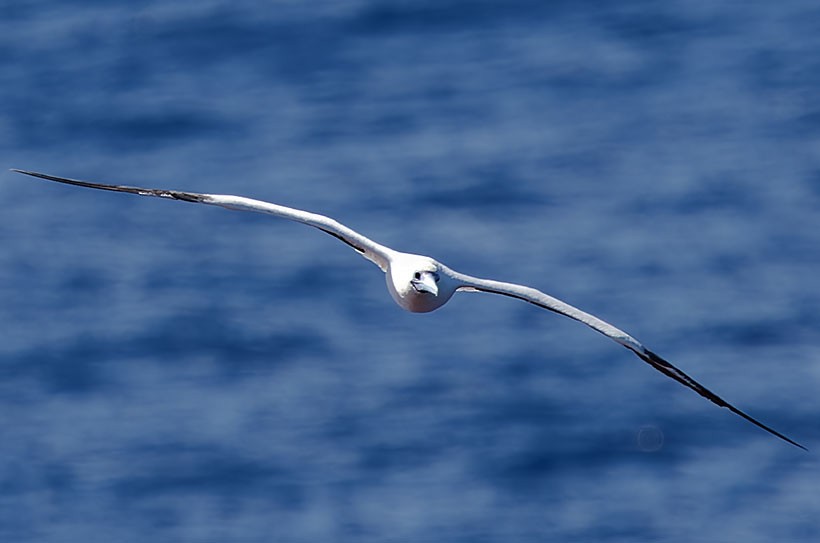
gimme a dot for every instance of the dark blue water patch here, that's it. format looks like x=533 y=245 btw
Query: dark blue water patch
x=46 y=123
x=294 y=49
x=780 y=69
x=184 y=469
x=719 y=193
x=430 y=389
x=183 y=337
x=20 y=12
x=488 y=194
x=722 y=192
x=319 y=281
x=586 y=254
x=812 y=183
x=393 y=123
x=140 y=48
x=59 y=480
x=19 y=526
x=327 y=131
x=651 y=268
x=730 y=264
x=760 y=330
x=807 y=123
x=624 y=526
x=804 y=529
x=89 y=364
x=433 y=17
x=140 y=131
x=650 y=24
x=153 y=130
x=82 y=286
x=383 y=458
x=521 y=409
x=343 y=119
x=780 y=76
x=587 y=82
x=74 y=369
x=799 y=246
x=552 y=455
x=521 y=368
x=210 y=36
x=756 y=333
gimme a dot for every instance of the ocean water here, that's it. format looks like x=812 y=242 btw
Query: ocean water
x=171 y=372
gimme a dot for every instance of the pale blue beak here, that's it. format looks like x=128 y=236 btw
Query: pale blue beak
x=426 y=282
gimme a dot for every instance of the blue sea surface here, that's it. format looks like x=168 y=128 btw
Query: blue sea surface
x=173 y=372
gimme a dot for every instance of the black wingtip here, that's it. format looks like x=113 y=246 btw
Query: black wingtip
x=50 y=177
x=678 y=375
x=31 y=173
x=160 y=193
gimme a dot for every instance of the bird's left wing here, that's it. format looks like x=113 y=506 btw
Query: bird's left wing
x=538 y=298
x=376 y=253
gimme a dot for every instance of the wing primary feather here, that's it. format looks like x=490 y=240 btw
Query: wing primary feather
x=159 y=193
x=672 y=371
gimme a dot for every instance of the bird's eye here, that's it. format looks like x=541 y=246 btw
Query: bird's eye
x=417 y=275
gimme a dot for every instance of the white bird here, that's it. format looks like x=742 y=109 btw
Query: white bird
x=421 y=284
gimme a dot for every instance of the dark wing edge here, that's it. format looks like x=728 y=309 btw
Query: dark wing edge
x=159 y=193
x=670 y=370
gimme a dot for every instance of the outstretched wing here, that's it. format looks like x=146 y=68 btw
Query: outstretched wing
x=545 y=301
x=378 y=254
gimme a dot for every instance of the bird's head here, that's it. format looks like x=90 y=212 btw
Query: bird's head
x=419 y=283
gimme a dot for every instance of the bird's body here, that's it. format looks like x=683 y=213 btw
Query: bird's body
x=420 y=284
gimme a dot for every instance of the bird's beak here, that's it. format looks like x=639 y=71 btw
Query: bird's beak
x=426 y=283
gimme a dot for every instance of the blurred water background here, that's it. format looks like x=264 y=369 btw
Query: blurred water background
x=171 y=372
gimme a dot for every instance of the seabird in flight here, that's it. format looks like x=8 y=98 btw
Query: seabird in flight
x=421 y=284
